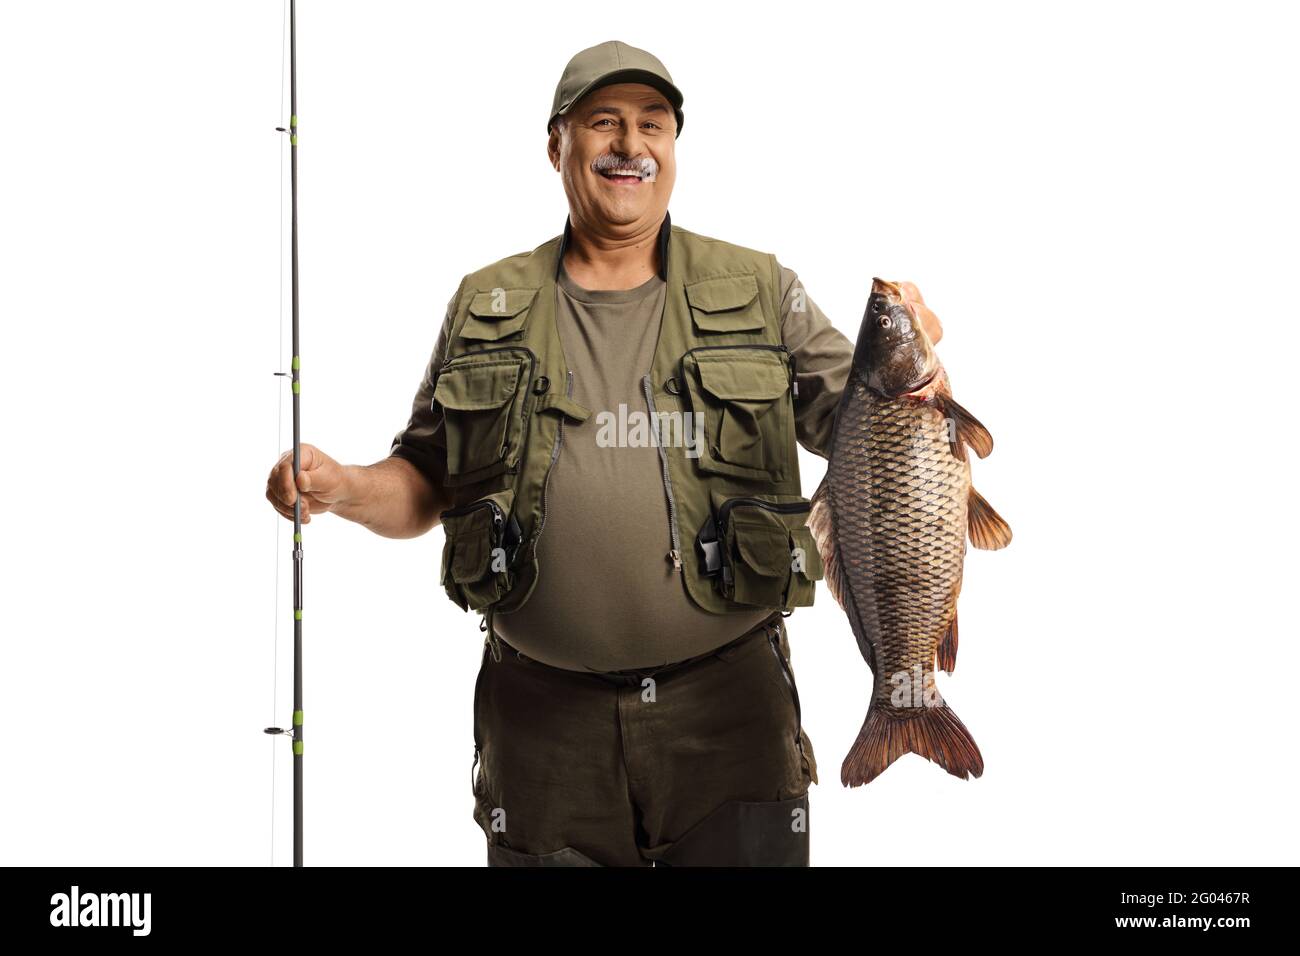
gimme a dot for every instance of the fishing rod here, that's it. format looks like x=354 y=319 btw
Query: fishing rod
x=296 y=732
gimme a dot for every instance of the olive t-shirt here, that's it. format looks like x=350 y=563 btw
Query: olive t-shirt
x=607 y=598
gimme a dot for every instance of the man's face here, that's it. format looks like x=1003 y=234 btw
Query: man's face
x=614 y=151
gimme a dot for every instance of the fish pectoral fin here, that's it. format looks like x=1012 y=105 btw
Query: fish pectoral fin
x=964 y=429
x=988 y=531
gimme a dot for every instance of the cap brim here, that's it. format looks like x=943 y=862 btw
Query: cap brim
x=670 y=92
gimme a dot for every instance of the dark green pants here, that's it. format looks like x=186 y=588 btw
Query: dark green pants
x=702 y=762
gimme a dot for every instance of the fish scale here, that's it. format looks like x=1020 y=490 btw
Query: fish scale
x=899 y=499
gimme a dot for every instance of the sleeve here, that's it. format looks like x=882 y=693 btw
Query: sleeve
x=423 y=441
x=822 y=356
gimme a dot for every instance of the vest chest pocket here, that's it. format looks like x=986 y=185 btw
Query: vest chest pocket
x=725 y=304
x=479 y=554
x=739 y=395
x=496 y=314
x=759 y=550
x=483 y=398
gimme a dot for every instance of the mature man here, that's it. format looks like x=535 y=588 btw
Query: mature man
x=606 y=430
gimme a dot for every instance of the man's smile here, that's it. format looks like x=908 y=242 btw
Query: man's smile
x=624 y=170
x=623 y=177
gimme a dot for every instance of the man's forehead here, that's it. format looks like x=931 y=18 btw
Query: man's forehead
x=622 y=96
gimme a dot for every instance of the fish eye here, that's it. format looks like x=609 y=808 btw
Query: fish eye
x=885 y=321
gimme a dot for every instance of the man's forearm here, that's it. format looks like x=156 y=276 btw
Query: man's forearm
x=391 y=498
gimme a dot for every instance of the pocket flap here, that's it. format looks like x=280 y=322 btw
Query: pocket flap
x=744 y=378
x=477 y=386
x=719 y=295
x=505 y=305
x=725 y=304
x=469 y=536
x=802 y=538
x=493 y=317
x=763 y=544
x=469 y=557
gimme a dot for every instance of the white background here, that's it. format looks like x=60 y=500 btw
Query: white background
x=1100 y=202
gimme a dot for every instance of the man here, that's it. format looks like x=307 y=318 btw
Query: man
x=634 y=391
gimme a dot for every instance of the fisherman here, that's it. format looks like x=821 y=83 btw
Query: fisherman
x=635 y=704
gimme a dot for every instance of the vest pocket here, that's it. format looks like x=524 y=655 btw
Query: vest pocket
x=759 y=551
x=494 y=315
x=725 y=304
x=479 y=554
x=738 y=394
x=805 y=567
x=482 y=397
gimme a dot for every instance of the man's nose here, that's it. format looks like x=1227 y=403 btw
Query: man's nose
x=628 y=141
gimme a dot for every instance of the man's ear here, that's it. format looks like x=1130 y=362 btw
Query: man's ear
x=553 y=148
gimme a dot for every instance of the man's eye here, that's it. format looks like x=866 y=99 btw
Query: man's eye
x=652 y=125
x=605 y=120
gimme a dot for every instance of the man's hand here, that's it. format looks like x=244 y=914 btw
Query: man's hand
x=321 y=480
x=929 y=321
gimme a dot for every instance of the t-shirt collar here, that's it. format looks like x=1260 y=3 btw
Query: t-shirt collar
x=665 y=230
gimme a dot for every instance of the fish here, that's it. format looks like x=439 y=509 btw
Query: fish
x=891 y=520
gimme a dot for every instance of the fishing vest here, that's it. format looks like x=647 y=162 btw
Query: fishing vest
x=719 y=400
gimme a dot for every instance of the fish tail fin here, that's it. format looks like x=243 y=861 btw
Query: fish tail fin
x=937 y=734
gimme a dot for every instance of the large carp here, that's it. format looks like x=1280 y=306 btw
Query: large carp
x=891 y=519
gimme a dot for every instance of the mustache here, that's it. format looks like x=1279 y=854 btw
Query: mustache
x=645 y=167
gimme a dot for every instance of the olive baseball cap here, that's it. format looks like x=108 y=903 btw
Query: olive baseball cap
x=612 y=62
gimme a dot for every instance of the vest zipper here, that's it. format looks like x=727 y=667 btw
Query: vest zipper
x=497 y=514
x=787 y=507
x=555 y=454
x=675 y=553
